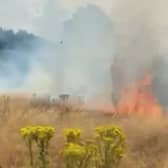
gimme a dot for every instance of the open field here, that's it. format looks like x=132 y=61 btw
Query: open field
x=146 y=138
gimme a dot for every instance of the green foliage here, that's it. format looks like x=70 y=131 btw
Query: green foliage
x=40 y=135
x=111 y=144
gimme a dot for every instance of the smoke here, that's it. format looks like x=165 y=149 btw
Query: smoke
x=16 y=52
x=76 y=56
x=86 y=37
x=79 y=63
x=140 y=28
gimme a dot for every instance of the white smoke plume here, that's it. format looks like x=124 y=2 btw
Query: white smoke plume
x=133 y=31
x=79 y=63
x=141 y=39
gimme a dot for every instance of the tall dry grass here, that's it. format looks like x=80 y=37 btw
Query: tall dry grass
x=147 y=138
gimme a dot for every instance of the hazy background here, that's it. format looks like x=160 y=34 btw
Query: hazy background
x=81 y=40
x=76 y=55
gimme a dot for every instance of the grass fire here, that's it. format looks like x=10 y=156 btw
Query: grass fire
x=83 y=84
x=139 y=99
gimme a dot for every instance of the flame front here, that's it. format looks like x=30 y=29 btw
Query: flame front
x=139 y=99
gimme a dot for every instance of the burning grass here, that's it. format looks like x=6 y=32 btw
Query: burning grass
x=138 y=99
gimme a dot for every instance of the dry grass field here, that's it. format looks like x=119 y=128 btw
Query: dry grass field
x=146 y=138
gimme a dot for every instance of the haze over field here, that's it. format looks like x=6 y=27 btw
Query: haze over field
x=81 y=40
x=74 y=59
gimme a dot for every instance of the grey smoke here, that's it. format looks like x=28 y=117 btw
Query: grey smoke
x=80 y=64
x=130 y=32
x=17 y=49
x=140 y=28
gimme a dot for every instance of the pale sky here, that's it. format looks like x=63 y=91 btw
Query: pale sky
x=38 y=16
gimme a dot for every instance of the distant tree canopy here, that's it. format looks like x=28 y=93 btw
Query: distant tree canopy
x=12 y=40
x=16 y=51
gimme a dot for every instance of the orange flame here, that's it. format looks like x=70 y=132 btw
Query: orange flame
x=139 y=99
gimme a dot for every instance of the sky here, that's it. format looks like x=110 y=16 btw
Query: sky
x=43 y=17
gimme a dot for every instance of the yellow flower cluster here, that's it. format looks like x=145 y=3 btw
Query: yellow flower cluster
x=40 y=135
x=73 y=150
x=106 y=150
x=92 y=150
x=37 y=132
x=110 y=132
x=72 y=135
x=112 y=144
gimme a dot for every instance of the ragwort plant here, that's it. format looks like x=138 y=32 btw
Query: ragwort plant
x=40 y=135
x=73 y=152
x=73 y=135
x=74 y=155
x=111 y=144
x=79 y=153
x=92 y=157
x=28 y=135
x=103 y=151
